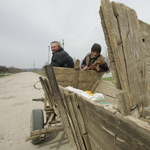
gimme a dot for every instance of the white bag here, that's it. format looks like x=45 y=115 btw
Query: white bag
x=97 y=97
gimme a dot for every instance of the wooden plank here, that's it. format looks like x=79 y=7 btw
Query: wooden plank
x=54 y=86
x=110 y=51
x=86 y=76
x=48 y=95
x=120 y=132
x=63 y=90
x=83 y=86
x=80 y=120
x=65 y=84
x=50 y=119
x=38 y=99
x=134 y=54
x=145 y=34
x=78 y=116
x=75 y=123
x=94 y=86
x=62 y=70
x=50 y=92
x=38 y=133
x=97 y=77
x=122 y=100
x=146 y=112
x=47 y=130
x=114 y=37
x=94 y=145
x=127 y=51
x=64 y=77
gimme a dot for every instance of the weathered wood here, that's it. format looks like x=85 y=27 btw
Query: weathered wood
x=54 y=86
x=86 y=76
x=94 y=145
x=122 y=100
x=62 y=90
x=38 y=133
x=133 y=52
x=126 y=45
x=47 y=130
x=145 y=34
x=76 y=77
x=47 y=91
x=110 y=52
x=78 y=113
x=50 y=119
x=95 y=85
x=146 y=112
x=75 y=123
x=76 y=74
x=38 y=99
x=80 y=120
x=120 y=132
x=97 y=77
x=87 y=141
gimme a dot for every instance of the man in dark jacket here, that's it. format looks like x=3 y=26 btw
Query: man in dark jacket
x=94 y=60
x=60 y=57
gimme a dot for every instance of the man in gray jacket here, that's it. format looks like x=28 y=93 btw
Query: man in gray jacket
x=60 y=57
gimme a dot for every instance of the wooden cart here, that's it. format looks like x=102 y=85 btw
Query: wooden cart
x=57 y=116
x=90 y=125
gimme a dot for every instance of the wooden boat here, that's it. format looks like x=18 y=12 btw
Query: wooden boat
x=122 y=123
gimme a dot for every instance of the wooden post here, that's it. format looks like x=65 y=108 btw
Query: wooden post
x=76 y=74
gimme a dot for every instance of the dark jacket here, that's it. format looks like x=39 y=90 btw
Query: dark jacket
x=61 y=58
x=97 y=63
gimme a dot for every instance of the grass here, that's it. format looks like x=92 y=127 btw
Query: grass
x=4 y=74
x=40 y=73
x=108 y=79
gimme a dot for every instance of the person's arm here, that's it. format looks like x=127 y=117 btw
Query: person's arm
x=104 y=68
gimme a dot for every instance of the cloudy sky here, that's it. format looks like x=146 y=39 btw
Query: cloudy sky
x=28 y=26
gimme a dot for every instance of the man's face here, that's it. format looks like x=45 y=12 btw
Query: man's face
x=95 y=54
x=54 y=47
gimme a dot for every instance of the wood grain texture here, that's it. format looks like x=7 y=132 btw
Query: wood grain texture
x=125 y=39
x=49 y=72
x=120 y=132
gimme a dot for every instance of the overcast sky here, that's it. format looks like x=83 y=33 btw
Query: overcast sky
x=28 y=26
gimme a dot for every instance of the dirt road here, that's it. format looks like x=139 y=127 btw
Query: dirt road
x=16 y=94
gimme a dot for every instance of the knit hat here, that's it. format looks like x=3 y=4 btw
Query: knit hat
x=96 y=47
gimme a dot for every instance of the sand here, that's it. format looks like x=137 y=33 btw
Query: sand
x=16 y=94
